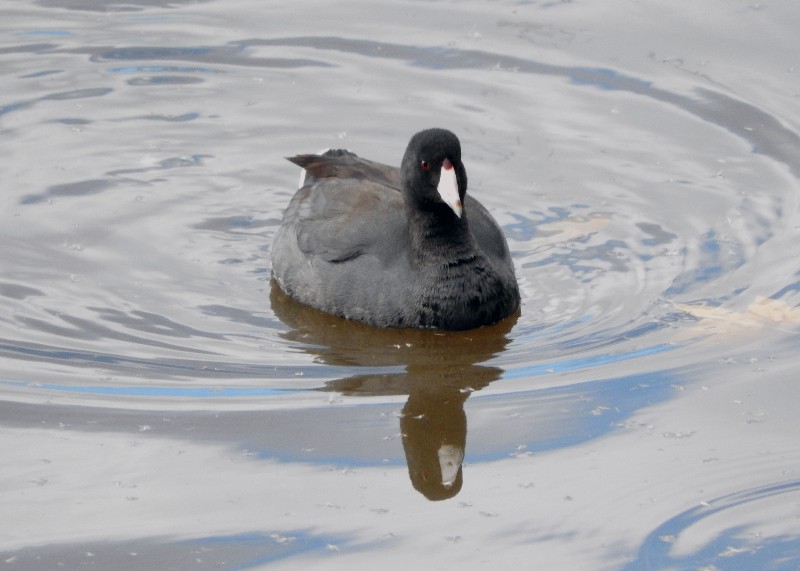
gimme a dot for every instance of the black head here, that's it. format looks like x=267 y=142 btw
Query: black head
x=431 y=158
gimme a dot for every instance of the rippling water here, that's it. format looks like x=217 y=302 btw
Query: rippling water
x=164 y=406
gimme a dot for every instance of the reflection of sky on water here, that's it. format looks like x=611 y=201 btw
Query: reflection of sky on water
x=241 y=551
x=737 y=546
x=219 y=370
x=595 y=408
x=194 y=392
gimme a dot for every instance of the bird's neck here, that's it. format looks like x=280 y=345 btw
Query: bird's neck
x=438 y=236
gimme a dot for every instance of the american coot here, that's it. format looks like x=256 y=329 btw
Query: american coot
x=395 y=247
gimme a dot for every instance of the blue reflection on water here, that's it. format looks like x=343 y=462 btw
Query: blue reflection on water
x=274 y=547
x=162 y=69
x=56 y=33
x=562 y=366
x=248 y=550
x=157 y=391
x=154 y=52
x=596 y=408
x=737 y=548
x=583 y=362
x=606 y=79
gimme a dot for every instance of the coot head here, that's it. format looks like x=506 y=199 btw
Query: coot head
x=432 y=173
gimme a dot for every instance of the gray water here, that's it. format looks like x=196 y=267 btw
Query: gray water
x=162 y=406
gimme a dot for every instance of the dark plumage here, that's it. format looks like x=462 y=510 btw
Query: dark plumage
x=391 y=247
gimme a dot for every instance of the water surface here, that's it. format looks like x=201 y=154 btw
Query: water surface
x=163 y=406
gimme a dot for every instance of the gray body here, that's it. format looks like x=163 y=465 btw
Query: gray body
x=349 y=244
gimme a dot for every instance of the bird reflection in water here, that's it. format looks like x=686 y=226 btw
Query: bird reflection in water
x=441 y=370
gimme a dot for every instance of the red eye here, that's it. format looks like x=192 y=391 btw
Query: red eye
x=426 y=166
